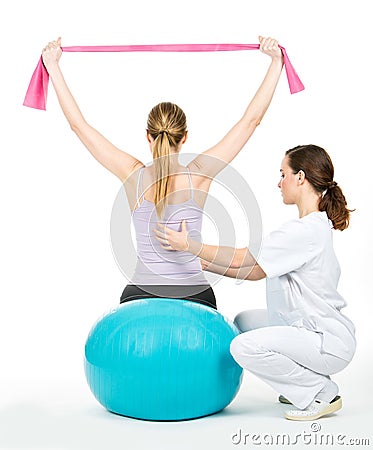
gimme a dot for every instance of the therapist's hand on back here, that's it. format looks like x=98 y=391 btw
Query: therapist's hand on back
x=171 y=239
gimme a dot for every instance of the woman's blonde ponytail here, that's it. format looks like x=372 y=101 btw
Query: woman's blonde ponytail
x=162 y=166
x=167 y=126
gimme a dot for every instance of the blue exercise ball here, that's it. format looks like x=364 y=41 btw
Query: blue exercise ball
x=162 y=359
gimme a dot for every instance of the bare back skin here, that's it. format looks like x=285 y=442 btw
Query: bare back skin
x=179 y=188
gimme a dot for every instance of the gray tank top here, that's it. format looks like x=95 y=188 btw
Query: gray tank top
x=155 y=265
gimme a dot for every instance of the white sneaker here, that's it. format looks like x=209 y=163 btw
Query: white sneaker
x=318 y=408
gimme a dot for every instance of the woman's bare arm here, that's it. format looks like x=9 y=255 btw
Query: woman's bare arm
x=112 y=158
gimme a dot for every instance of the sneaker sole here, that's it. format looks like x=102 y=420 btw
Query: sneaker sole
x=336 y=405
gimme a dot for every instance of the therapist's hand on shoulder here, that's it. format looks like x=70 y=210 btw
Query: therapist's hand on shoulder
x=171 y=239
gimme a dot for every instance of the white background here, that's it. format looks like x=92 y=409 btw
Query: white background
x=58 y=274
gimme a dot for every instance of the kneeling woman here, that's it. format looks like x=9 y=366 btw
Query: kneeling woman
x=302 y=338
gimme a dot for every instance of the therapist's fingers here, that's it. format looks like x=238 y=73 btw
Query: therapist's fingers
x=168 y=247
x=161 y=237
x=159 y=233
x=162 y=231
x=176 y=240
x=163 y=227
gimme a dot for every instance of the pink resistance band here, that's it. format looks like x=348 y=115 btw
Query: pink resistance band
x=36 y=95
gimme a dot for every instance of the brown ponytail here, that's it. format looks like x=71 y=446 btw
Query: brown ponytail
x=167 y=126
x=317 y=165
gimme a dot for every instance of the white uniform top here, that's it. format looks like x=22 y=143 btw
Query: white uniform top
x=302 y=277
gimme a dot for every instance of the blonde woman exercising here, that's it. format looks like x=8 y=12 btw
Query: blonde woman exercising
x=165 y=190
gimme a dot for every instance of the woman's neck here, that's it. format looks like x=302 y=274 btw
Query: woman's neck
x=308 y=204
x=175 y=166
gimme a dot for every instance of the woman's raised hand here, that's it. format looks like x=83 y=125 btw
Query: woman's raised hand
x=270 y=47
x=52 y=53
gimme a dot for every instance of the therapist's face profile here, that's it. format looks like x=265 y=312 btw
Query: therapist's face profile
x=288 y=183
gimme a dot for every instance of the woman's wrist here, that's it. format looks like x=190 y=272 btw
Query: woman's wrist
x=278 y=60
x=52 y=67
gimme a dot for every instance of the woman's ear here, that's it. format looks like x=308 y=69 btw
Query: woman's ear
x=149 y=137
x=185 y=138
x=301 y=176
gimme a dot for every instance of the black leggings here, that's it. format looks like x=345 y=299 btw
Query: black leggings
x=199 y=293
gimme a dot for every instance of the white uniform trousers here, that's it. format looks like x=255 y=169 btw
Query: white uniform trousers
x=287 y=358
